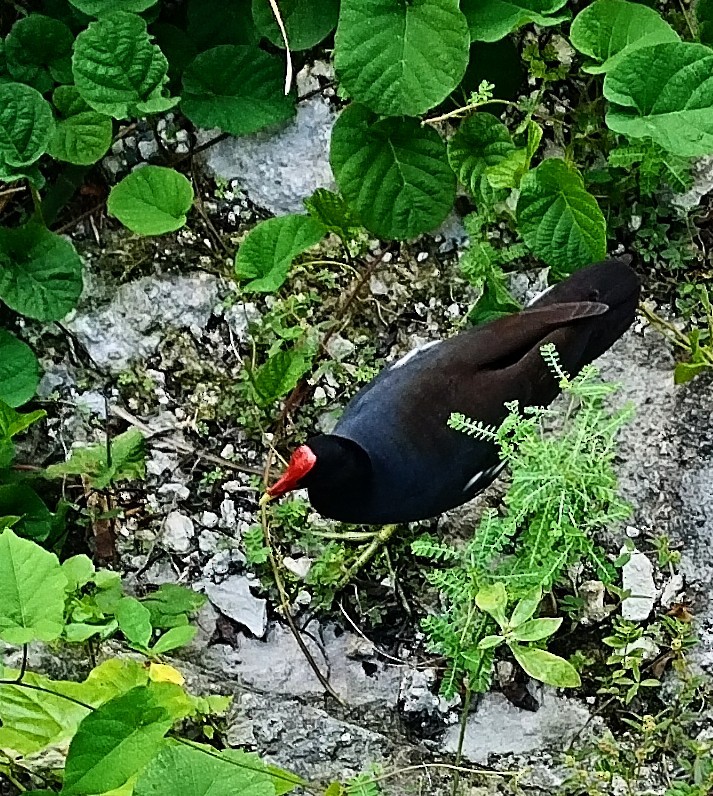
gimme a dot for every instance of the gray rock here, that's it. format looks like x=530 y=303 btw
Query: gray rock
x=233 y=598
x=132 y=325
x=93 y=402
x=209 y=519
x=174 y=491
x=299 y=567
x=637 y=577
x=417 y=691
x=702 y=185
x=178 y=532
x=672 y=590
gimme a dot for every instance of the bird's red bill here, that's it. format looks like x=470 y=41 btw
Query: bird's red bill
x=302 y=461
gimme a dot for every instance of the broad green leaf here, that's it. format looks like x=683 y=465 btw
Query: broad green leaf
x=117 y=69
x=492 y=20
x=152 y=200
x=25 y=124
x=393 y=173
x=664 y=92
x=280 y=374
x=36 y=521
x=19 y=370
x=170 y=604
x=38 y=51
x=40 y=272
x=173 y=639
x=685 y=371
x=13 y=423
x=400 y=58
x=191 y=772
x=115 y=742
x=31 y=591
x=526 y=607
x=509 y=171
x=128 y=461
x=81 y=135
x=704 y=20
x=536 y=629
x=558 y=219
x=492 y=599
x=490 y=642
x=307 y=22
x=334 y=213
x=266 y=254
x=546 y=667
x=481 y=142
x=134 y=621
x=607 y=30
x=98 y=8
x=236 y=88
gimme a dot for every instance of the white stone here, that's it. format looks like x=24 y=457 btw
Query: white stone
x=637 y=577
x=233 y=598
x=209 y=519
x=299 y=567
x=178 y=532
x=174 y=491
x=148 y=149
x=672 y=590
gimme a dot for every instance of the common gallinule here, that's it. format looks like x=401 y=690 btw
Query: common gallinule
x=392 y=457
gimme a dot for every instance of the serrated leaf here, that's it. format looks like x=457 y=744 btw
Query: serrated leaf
x=98 y=8
x=481 y=142
x=558 y=219
x=280 y=374
x=536 y=629
x=236 y=88
x=492 y=20
x=118 y=71
x=174 y=638
x=664 y=92
x=334 y=213
x=128 y=461
x=607 y=30
x=307 y=22
x=400 y=58
x=19 y=370
x=134 y=621
x=81 y=135
x=394 y=173
x=152 y=200
x=31 y=591
x=25 y=125
x=546 y=667
x=35 y=521
x=266 y=254
x=38 y=51
x=526 y=607
x=40 y=272
x=115 y=742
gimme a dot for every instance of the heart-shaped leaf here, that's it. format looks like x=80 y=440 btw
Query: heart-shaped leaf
x=400 y=58
x=265 y=256
x=19 y=370
x=558 y=219
x=236 y=88
x=607 y=30
x=481 y=142
x=280 y=374
x=307 y=22
x=117 y=69
x=664 y=92
x=134 y=621
x=38 y=51
x=394 y=173
x=152 y=200
x=81 y=136
x=492 y=20
x=25 y=124
x=546 y=667
x=40 y=272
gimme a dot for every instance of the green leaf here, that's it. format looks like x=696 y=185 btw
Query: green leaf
x=115 y=742
x=685 y=371
x=38 y=50
x=490 y=642
x=128 y=461
x=334 y=213
x=664 y=92
x=31 y=591
x=36 y=521
x=546 y=667
x=400 y=58
x=536 y=629
x=493 y=599
x=607 y=30
x=13 y=423
x=40 y=272
x=117 y=69
x=307 y=22
x=170 y=603
x=394 y=173
x=280 y=374
x=266 y=254
x=481 y=142
x=492 y=20
x=81 y=135
x=174 y=638
x=134 y=621
x=78 y=570
x=25 y=124
x=191 y=772
x=236 y=88
x=19 y=370
x=704 y=20
x=558 y=219
x=526 y=607
x=98 y=8
x=152 y=200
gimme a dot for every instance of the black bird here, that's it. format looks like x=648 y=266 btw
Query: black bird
x=392 y=457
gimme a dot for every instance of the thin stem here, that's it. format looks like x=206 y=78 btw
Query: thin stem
x=461 y=737
x=381 y=538
x=458 y=112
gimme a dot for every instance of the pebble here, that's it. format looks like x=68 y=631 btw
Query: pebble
x=228 y=515
x=174 y=491
x=637 y=577
x=234 y=599
x=209 y=519
x=299 y=567
x=178 y=532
